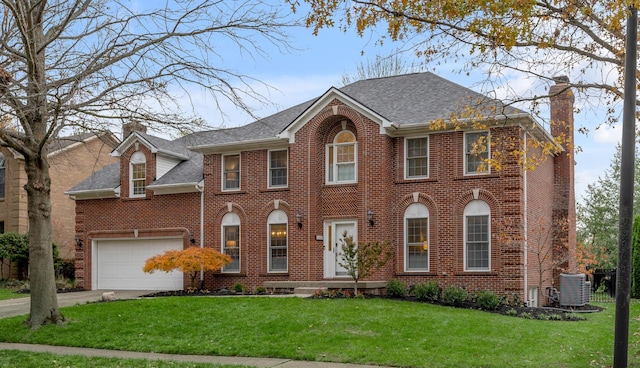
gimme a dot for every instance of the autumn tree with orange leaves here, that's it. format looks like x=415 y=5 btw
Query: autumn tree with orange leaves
x=191 y=260
x=536 y=40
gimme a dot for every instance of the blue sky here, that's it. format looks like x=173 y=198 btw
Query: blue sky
x=318 y=62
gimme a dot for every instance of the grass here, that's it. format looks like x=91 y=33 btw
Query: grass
x=10 y=294
x=371 y=331
x=23 y=359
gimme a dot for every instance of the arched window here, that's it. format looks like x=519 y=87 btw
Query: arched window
x=138 y=174
x=231 y=241
x=278 y=244
x=477 y=236
x=342 y=158
x=416 y=219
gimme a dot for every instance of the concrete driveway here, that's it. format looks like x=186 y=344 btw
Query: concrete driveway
x=20 y=306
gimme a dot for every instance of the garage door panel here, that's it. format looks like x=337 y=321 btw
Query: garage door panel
x=119 y=265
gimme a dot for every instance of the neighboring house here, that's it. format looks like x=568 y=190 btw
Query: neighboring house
x=277 y=195
x=71 y=160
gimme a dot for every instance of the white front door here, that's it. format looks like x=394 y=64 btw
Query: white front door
x=334 y=233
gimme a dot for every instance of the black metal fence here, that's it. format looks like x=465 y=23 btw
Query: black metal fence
x=603 y=285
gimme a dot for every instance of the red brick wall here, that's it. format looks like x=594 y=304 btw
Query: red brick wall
x=380 y=187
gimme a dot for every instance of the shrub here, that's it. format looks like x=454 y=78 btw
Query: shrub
x=526 y=315
x=428 y=291
x=455 y=295
x=396 y=288
x=239 y=288
x=487 y=300
x=512 y=312
x=261 y=290
x=556 y=317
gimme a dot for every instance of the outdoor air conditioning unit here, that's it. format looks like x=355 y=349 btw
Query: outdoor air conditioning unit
x=574 y=290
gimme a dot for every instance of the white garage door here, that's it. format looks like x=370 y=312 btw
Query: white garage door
x=117 y=265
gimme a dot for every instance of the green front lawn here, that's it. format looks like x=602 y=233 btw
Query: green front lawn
x=10 y=294
x=24 y=359
x=370 y=331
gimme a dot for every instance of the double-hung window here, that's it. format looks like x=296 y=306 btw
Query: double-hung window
x=476 y=152
x=277 y=247
x=477 y=236
x=231 y=241
x=278 y=169
x=231 y=172
x=138 y=174
x=417 y=155
x=417 y=238
x=342 y=159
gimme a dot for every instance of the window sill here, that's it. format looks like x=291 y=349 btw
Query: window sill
x=416 y=180
x=478 y=176
x=417 y=273
x=231 y=274
x=134 y=198
x=275 y=189
x=477 y=273
x=230 y=192
x=286 y=273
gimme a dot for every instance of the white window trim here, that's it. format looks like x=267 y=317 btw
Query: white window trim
x=406 y=158
x=476 y=207
x=335 y=162
x=137 y=158
x=269 y=185
x=222 y=184
x=464 y=153
x=277 y=217
x=231 y=219
x=416 y=210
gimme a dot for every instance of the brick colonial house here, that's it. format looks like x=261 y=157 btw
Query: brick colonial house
x=278 y=194
x=71 y=159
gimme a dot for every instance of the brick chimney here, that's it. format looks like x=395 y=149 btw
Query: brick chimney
x=564 y=206
x=130 y=127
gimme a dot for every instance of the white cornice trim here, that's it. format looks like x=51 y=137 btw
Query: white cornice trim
x=250 y=145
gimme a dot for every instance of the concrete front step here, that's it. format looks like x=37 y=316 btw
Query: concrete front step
x=308 y=290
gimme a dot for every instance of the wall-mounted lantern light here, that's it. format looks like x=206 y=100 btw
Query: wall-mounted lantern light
x=79 y=241
x=299 y=220
x=370 y=217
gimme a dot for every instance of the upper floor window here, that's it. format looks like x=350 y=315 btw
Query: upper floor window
x=342 y=158
x=2 y=176
x=278 y=169
x=138 y=168
x=231 y=241
x=476 y=152
x=477 y=236
x=277 y=247
x=231 y=172
x=417 y=154
x=417 y=237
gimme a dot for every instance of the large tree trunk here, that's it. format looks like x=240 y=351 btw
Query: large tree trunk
x=44 y=303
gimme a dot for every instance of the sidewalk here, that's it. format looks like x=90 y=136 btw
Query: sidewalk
x=246 y=361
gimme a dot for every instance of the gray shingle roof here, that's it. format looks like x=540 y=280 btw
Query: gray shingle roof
x=405 y=99
x=104 y=179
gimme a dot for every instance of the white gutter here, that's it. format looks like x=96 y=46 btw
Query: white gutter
x=264 y=143
x=200 y=188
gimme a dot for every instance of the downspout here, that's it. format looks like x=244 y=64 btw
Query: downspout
x=525 y=227
x=200 y=188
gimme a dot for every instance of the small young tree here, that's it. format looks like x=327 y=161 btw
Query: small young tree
x=360 y=260
x=635 y=266
x=191 y=260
